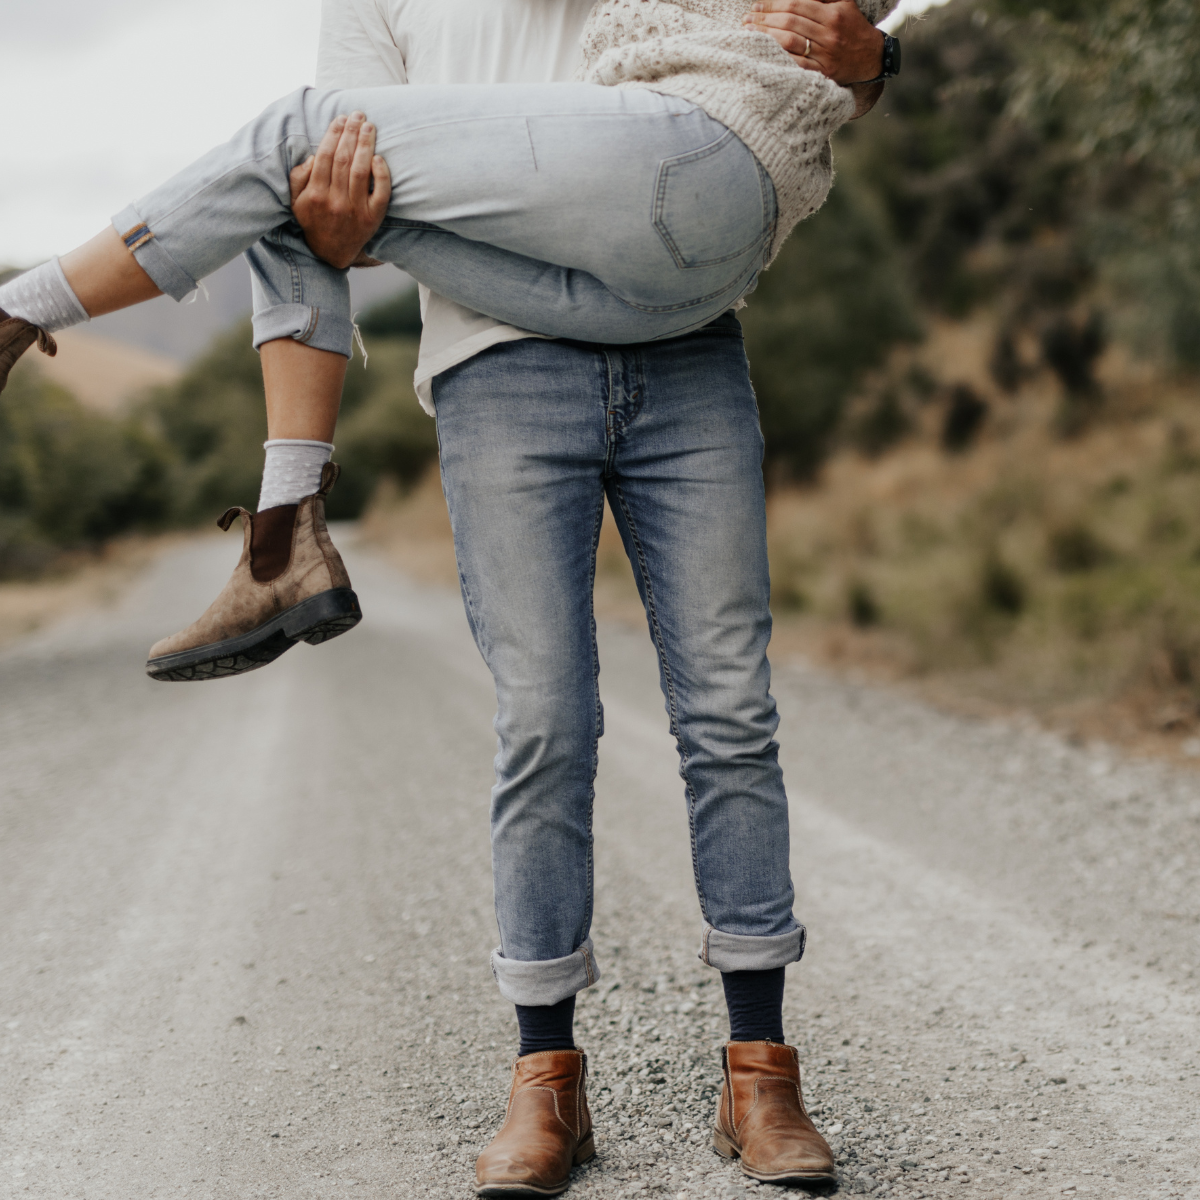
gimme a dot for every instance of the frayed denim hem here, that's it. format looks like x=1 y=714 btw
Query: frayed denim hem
x=547 y=981
x=739 y=952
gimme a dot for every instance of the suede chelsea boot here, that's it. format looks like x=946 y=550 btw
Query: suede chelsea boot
x=762 y=1119
x=289 y=586
x=16 y=336
x=547 y=1129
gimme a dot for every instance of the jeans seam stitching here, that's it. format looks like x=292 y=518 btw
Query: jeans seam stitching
x=240 y=165
x=672 y=701
x=753 y=269
x=380 y=147
x=597 y=521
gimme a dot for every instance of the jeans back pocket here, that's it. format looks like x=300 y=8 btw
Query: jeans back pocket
x=713 y=205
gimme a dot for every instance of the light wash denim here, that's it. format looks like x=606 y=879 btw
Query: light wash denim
x=533 y=436
x=566 y=209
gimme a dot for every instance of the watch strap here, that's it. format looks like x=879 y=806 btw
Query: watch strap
x=891 y=60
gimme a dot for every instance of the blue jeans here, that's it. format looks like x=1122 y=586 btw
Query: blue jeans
x=533 y=436
x=566 y=209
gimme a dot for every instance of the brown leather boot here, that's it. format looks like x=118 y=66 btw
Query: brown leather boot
x=290 y=586
x=16 y=336
x=762 y=1119
x=547 y=1129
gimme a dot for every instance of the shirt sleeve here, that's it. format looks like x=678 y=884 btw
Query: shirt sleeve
x=357 y=48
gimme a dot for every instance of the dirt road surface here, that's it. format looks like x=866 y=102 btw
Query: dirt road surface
x=244 y=929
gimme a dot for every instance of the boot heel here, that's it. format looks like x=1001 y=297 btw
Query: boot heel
x=323 y=616
x=723 y=1146
x=587 y=1149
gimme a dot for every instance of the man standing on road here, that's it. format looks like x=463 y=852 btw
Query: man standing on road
x=533 y=435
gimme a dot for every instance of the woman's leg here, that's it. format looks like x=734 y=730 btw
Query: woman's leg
x=606 y=216
x=304 y=390
x=569 y=209
x=105 y=277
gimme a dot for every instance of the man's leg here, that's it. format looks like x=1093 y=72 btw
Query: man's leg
x=522 y=439
x=687 y=491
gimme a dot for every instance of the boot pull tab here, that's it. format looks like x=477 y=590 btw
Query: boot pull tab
x=329 y=476
x=46 y=344
x=226 y=518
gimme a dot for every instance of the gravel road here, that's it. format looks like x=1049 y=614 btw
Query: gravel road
x=244 y=929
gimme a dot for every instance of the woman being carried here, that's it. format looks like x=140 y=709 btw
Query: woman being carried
x=631 y=211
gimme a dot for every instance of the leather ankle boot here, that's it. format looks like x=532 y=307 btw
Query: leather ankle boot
x=547 y=1129
x=16 y=336
x=289 y=586
x=762 y=1119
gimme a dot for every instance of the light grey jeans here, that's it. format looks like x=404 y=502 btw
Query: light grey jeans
x=573 y=210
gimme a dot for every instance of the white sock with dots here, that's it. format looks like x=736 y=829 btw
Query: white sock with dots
x=292 y=471
x=44 y=298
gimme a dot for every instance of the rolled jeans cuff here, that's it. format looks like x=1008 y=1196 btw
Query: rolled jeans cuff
x=168 y=276
x=315 y=327
x=739 y=952
x=547 y=981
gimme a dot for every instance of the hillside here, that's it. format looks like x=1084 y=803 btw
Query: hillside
x=104 y=375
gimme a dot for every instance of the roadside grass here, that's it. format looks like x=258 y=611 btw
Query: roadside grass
x=1027 y=569
x=1020 y=570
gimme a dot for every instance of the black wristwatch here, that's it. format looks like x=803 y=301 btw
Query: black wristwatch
x=891 y=59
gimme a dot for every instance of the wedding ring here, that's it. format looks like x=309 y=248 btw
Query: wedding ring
x=807 y=46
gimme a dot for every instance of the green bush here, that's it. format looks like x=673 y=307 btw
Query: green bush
x=829 y=309
x=383 y=431
x=214 y=419
x=69 y=476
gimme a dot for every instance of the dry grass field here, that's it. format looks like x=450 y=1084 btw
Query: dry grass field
x=1026 y=571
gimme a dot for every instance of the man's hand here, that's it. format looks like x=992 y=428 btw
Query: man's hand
x=341 y=195
x=831 y=37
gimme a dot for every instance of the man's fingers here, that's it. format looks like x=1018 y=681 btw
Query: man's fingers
x=322 y=170
x=806 y=51
x=381 y=197
x=360 y=165
x=800 y=8
x=299 y=177
x=832 y=35
x=801 y=27
x=796 y=22
x=343 y=156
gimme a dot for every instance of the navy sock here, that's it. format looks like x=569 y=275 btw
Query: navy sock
x=755 y=1003
x=547 y=1026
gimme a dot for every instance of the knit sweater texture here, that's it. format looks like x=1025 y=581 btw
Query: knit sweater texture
x=699 y=50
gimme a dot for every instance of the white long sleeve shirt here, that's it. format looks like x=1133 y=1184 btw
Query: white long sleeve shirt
x=374 y=43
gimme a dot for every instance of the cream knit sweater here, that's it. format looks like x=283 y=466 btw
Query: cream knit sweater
x=699 y=50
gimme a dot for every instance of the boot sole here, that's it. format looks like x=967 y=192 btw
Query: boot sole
x=724 y=1147
x=587 y=1149
x=315 y=620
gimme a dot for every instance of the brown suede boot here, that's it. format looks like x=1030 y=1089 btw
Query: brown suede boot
x=16 y=336
x=289 y=586
x=762 y=1119
x=547 y=1129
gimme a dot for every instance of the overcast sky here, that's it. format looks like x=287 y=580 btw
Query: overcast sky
x=103 y=99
